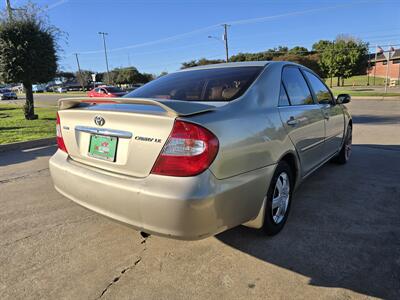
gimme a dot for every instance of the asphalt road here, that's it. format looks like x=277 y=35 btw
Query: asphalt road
x=342 y=239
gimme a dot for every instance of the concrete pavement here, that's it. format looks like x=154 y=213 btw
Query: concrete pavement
x=342 y=239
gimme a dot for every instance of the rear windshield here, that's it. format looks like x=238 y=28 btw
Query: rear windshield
x=220 y=84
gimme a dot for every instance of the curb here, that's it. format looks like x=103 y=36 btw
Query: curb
x=28 y=144
x=380 y=98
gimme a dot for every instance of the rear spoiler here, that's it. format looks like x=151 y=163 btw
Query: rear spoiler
x=173 y=108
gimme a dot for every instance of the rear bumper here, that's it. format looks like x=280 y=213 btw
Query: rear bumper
x=180 y=207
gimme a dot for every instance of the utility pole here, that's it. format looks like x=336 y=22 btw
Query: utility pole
x=333 y=53
x=226 y=41
x=9 y=10
x=387 y=77
x=376 y=57
x=79 y=71
x=105 y=54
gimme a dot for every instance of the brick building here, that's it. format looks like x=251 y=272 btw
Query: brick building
x=379 y=66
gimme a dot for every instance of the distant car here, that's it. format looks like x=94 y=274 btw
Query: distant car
x=61 y=89
x=6 y=94
x=38 y=88
x=106 y=91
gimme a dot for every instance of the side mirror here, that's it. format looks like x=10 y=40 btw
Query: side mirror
x=343 y=99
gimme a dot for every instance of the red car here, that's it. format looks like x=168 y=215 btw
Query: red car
x=106 y=91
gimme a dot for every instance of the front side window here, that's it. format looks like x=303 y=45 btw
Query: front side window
x=320 y=90
x=216 y=84
x=296 y=86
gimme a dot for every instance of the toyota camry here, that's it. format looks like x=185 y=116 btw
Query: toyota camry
x=201 y=150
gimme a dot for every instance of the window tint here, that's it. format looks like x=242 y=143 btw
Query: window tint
x=296 y=86
x=283 y=98
x=320 y=90
x=217 y=84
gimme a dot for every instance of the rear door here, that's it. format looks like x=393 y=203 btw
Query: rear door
x=302 y=118
x=333 y=114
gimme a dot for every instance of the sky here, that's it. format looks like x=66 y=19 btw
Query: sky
x=158 y=35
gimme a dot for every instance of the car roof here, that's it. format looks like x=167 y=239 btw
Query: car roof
x=261 y=63
x=229 y=65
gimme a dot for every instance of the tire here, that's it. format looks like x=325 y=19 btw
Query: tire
x=279 y=198
x=345 y=152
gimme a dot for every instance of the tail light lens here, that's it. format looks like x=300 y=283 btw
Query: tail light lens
x=60 y=140
x=189 y=150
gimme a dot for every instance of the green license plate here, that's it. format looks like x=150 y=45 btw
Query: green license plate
x=103 y=147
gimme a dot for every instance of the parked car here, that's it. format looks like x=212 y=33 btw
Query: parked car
x=38 y=88
x=205 y=149
x=106 y=91
x=61 y=89
x=6 y=94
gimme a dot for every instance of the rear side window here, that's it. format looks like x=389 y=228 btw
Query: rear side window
x=296 y=86
x=217 y=84
x=320 y=90
x=283 y=98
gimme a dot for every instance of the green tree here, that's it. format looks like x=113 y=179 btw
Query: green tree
x=200 y=62
x=344 y=57
x=298 y=50
x=321 y=45
x=69 y=76
x=27 y=52
x=130 y=75
x=310 y=61
x=84 y=77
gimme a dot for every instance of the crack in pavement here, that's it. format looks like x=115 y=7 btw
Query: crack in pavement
x=125 y=270
x=22 y=176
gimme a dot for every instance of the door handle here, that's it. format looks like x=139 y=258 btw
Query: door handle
x=292 y=121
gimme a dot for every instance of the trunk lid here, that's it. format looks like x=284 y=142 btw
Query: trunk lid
x=139 y=129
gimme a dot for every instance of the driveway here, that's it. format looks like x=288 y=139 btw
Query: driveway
x=341 y=241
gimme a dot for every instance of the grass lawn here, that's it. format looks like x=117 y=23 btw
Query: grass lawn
x=364 y=93
x=359 y=80
x=14 y=127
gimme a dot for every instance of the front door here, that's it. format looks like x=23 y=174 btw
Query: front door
x=302 y=118
x=333 y=114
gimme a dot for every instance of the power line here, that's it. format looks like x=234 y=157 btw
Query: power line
x=203 y=29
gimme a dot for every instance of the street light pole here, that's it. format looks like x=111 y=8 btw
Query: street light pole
x=79 y=70
x=105 y=54
x=376 y=57
x=226 y=41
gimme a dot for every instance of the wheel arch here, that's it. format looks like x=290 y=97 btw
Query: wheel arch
x=292 y=160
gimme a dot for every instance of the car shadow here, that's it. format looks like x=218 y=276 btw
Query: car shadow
x=344 y=226
x=374 y=119
x=19 y=156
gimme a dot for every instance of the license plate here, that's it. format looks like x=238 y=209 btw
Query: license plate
x=103 y=147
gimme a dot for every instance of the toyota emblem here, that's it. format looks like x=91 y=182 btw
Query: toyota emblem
x=99 y=120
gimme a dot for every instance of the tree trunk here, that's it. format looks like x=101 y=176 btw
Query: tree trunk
x=342 y=81
x=29 y=109
x=338 y=81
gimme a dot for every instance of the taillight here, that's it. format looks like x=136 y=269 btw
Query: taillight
x=60 y=140
x=189 y=150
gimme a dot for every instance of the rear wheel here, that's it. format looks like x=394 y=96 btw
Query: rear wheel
x=278 y=199
x=344 y=154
